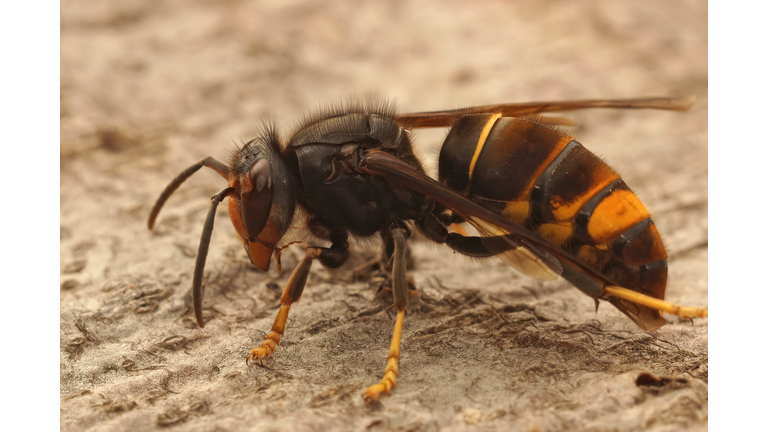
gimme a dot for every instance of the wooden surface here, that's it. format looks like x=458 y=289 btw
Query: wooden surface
x=148 y=88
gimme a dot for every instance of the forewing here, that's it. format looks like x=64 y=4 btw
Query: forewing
x=445 y=118
x=518 y=247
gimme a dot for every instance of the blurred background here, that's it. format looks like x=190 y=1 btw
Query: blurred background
x=148 y=88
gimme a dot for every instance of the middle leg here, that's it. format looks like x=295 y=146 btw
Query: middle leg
x=400 y=293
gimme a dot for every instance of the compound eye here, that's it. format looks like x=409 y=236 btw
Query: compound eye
x=256 y=198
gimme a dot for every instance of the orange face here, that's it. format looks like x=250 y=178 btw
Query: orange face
x=257 y=252
x=252 y=213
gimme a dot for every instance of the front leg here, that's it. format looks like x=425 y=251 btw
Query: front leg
x=291 y=294
x=331 y=257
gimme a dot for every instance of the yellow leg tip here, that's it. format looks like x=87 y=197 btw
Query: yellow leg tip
x=258 y=354
x=371 y=394
x=658 y=304
x=266 y=349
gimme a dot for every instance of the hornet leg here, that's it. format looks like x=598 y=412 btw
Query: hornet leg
x=332 y=257
x=400 y=291
x=291 y=294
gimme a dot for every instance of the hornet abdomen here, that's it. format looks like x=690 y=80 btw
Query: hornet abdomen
x=544 y=180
